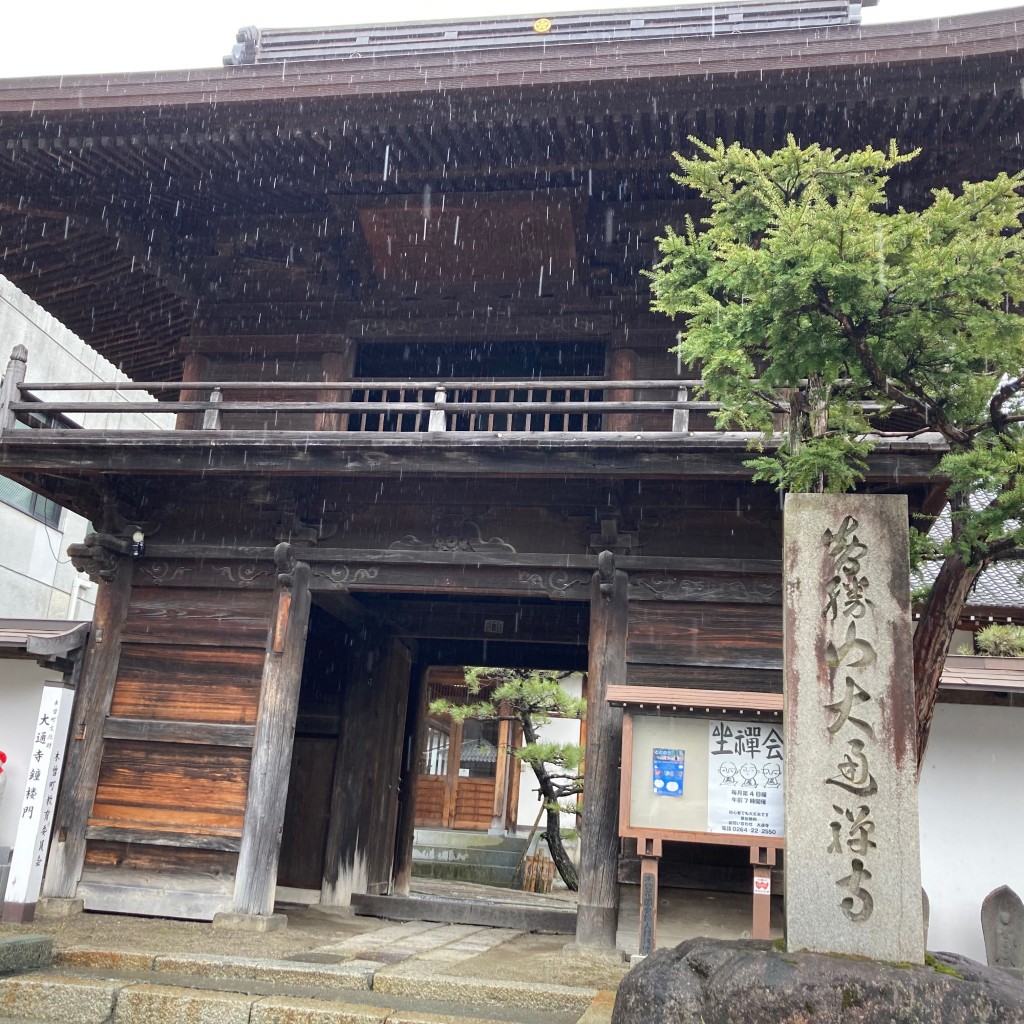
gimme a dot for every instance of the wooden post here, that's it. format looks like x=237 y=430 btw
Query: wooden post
x=598 y=904
x=335 y=367
x=501 y=769
x=621 y=366
x=17 y=366
x=85 y=747
x=650 y=852
x=436 y=424
x=211 y=417
x=256 y=875
x=763 y=858
x=415 y=733
x=195 y=368
x=681 y=417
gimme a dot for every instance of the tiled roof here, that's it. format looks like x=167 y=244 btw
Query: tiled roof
x=42 y=636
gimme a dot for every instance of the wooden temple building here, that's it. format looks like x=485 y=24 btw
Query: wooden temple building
x=392 y=292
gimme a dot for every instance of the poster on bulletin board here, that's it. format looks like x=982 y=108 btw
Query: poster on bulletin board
x=745 y=762
x=719 y=776
x=667 y=770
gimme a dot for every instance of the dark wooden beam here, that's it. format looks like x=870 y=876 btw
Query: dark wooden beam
x=178 y=732
x=85 y=745
x=176 y=840
x=209 y=454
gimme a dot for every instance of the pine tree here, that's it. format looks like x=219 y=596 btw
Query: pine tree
x=533 y=697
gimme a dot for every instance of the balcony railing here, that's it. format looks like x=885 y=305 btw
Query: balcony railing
x=575 y=405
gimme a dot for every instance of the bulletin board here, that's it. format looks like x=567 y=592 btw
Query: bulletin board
x=706 y=778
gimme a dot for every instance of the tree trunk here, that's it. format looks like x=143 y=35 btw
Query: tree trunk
x=931 y=641
x=549 y=794
x=553 y=835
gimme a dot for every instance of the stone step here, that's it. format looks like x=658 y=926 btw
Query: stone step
x=268 y=992
x=497 y=857
x=491 y=913
x=458 y=838
x=467 y=856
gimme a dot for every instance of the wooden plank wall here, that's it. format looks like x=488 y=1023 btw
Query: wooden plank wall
x=174 y=772
x=722 y=646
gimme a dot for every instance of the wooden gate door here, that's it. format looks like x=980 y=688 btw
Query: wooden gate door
x=459 y=773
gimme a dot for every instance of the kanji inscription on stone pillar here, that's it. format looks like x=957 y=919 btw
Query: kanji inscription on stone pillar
x=852 y=867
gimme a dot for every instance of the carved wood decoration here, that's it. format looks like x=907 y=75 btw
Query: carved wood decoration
x=452 y=534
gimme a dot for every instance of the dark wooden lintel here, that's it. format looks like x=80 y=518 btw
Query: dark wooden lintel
x=316 y=556
x=178 y=732
x=322 y=454
x=152 y=837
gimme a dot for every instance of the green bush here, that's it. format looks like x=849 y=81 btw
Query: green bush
x=1001 y=641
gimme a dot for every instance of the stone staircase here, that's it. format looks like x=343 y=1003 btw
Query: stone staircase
x=394 y=976
x=466 y=856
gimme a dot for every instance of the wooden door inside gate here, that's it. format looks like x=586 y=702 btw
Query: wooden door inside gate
x=464 y=780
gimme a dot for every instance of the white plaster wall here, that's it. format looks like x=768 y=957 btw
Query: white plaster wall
x=37 y=579
x=972 y=822
x=56 y=354
x=558 y=730
x=21 y=687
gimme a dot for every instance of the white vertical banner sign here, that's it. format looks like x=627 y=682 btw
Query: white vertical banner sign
x=35 y=823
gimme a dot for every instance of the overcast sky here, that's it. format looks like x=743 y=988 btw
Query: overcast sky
x=54 y=37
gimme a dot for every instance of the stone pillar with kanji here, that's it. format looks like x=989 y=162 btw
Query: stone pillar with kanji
x=853 y=874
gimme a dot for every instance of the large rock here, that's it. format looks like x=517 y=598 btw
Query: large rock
x=708 y=981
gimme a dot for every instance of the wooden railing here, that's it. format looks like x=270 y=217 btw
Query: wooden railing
x=573 y=405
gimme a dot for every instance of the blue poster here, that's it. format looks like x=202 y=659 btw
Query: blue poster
x=668 y=771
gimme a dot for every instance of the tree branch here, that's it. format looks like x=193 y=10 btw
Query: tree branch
x=881 y=380
x=1000 y=398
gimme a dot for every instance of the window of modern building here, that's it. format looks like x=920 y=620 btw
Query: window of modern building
x=35 y=505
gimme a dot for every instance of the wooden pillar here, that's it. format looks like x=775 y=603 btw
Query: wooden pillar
x=621 y=366
x=515 y=774
x=335 y=366
x=598 y=903
x=415 y=734
x=14 y=375
x=92 y=704
x=501 y=773
x=195 y=368
x=762 y=858
x=256 y=875
x=650 y=852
